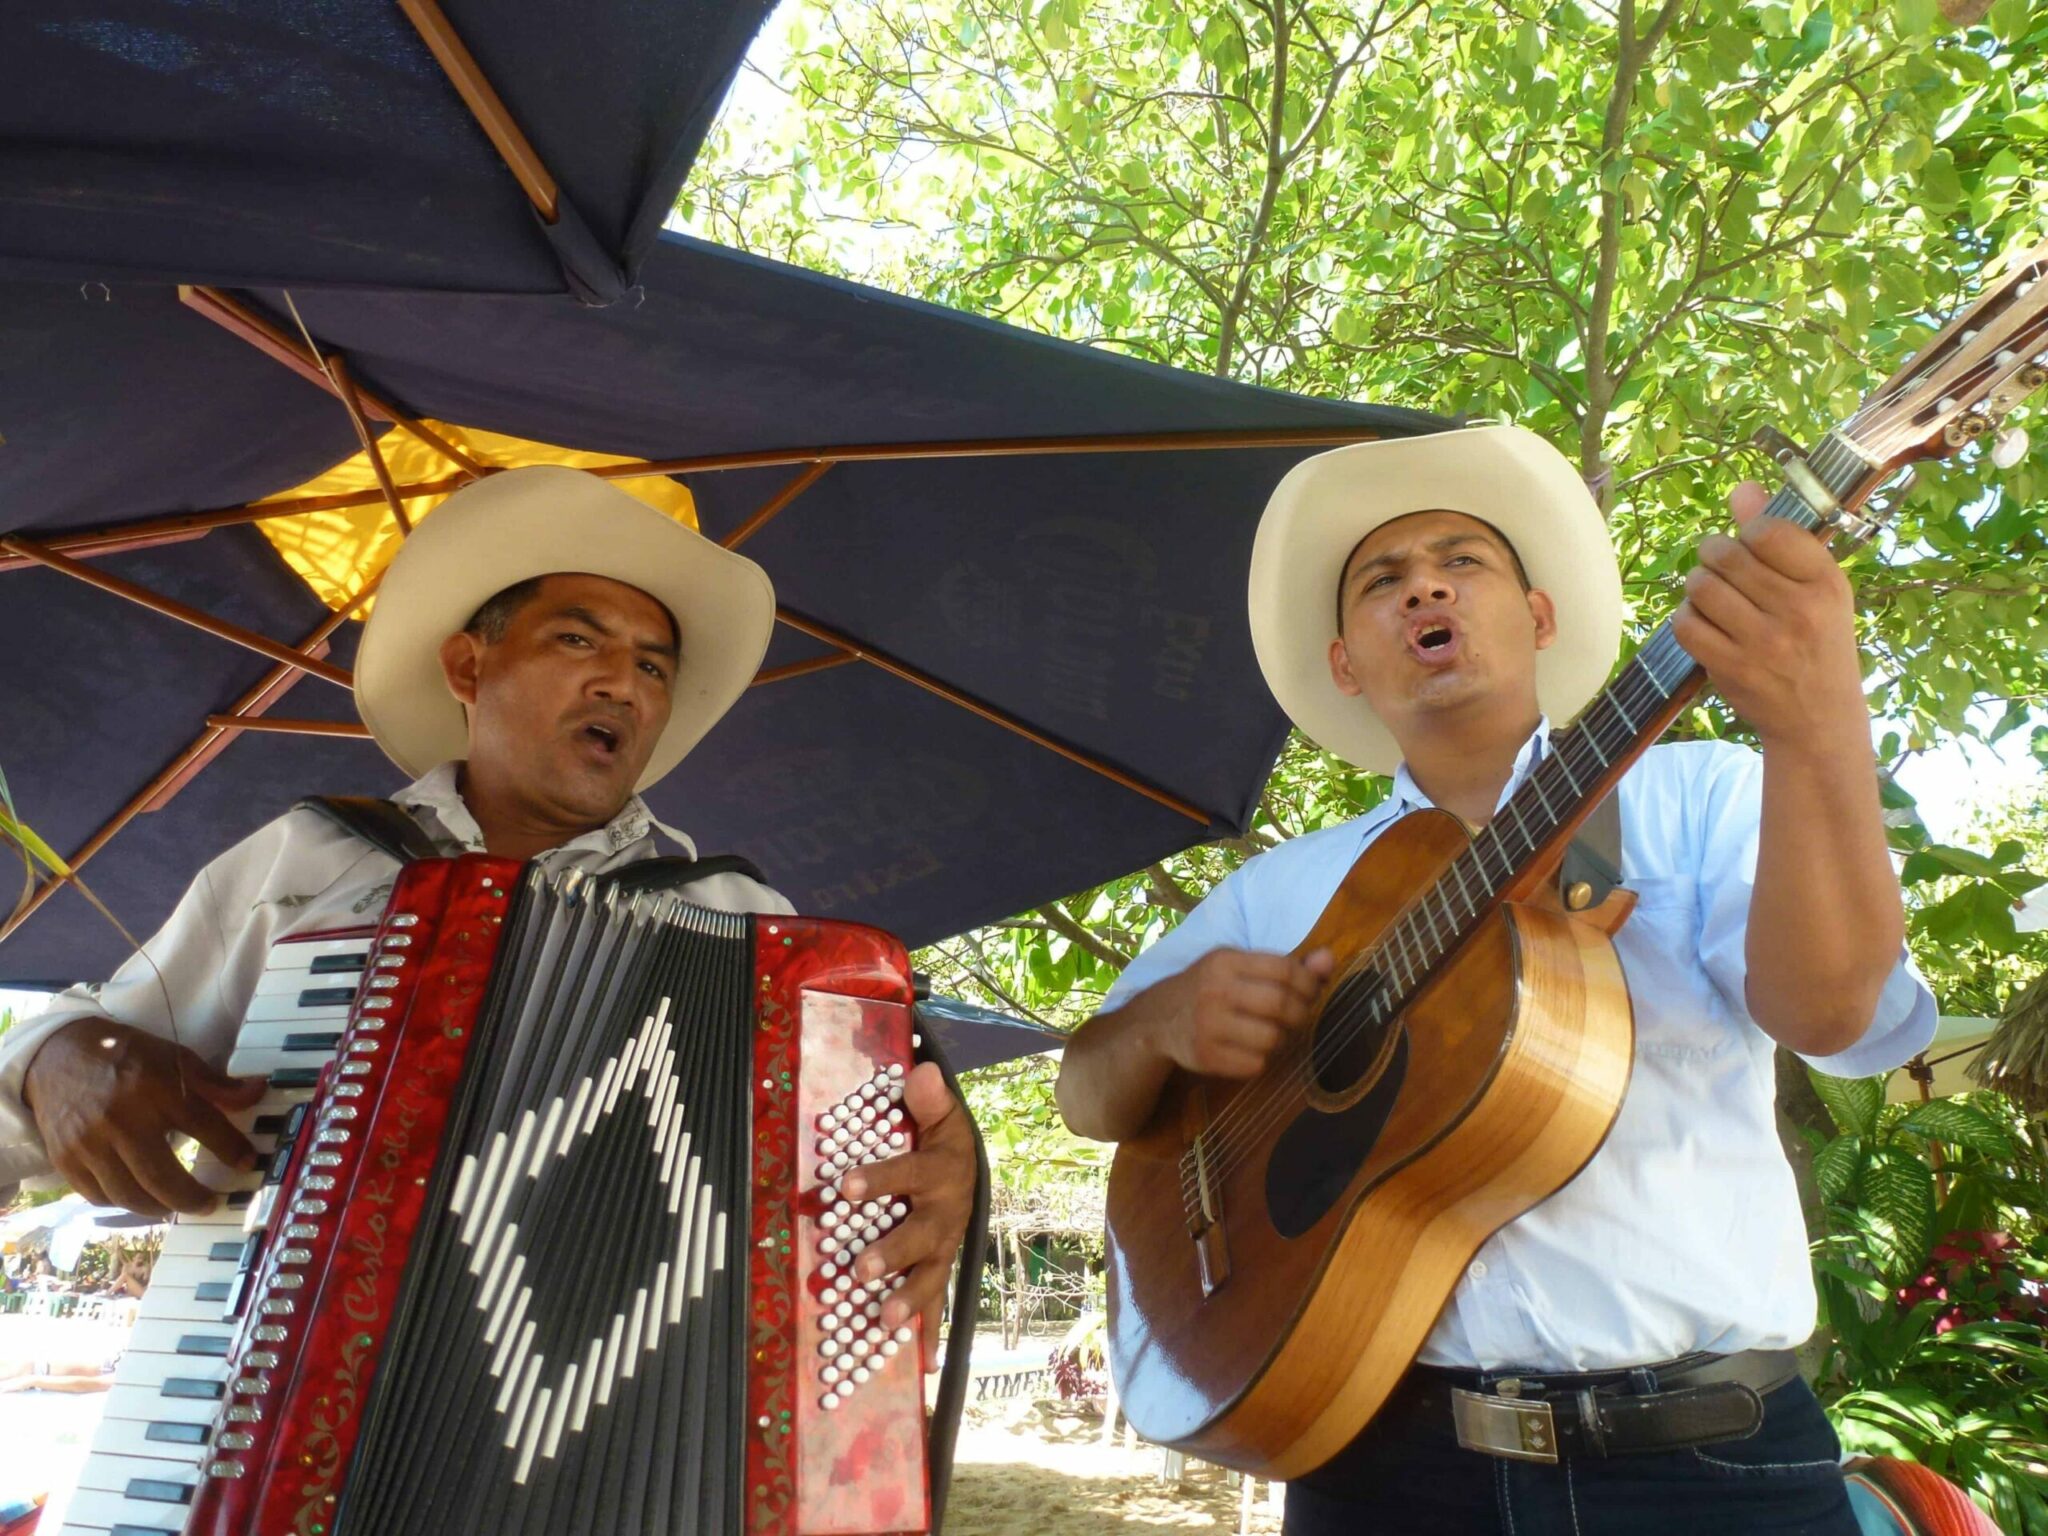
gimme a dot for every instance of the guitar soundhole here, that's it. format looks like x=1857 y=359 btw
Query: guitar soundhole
x=1352 y=1038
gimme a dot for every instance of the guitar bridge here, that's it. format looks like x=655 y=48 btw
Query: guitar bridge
x=1205 y=1218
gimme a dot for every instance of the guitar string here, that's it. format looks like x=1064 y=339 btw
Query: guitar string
x=1833 y=456
x=1834 y=446
x=1640 y=685
x=1222 y=1141
x=1401 y=936
x=1229 y=1134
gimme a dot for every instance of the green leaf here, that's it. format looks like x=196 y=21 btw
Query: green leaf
x=1959 y=1125
x=1052 y=26
x=1852 y=1102
x=1898 y=1191
x=1836 y=1165
x=1940 y=186
x=1940 y=859
x=1869 y=1285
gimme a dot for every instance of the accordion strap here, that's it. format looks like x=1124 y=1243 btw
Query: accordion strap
x=951 y=1399
x=383 y=824
x=389 y=828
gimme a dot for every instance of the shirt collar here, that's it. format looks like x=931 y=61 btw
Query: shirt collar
x=436 y=791
x=1407 y=795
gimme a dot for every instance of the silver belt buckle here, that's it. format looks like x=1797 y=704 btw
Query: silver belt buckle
x=1522 y=1429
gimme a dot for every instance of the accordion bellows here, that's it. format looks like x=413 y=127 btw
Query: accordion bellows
x=558 y=1246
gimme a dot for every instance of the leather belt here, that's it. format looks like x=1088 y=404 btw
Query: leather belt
x=1696 y=1400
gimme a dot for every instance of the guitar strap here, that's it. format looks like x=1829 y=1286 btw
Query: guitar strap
x=1592 y=863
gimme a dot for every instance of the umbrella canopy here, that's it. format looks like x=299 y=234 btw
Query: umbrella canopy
x=488 y=145
x=997 y=681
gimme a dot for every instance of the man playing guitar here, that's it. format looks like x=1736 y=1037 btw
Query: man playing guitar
x=544 y=647
x=1475 y=598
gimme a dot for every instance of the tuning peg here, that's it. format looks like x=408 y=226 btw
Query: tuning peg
x=2009 y=447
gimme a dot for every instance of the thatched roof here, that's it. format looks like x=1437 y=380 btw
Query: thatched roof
x=2015 y=1059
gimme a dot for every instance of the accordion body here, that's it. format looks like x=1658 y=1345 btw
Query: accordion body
x=557 y=1245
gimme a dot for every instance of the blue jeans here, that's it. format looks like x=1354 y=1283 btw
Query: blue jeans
x=1406 y=1475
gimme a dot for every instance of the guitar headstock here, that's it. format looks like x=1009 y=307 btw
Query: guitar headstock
x=1962 y=383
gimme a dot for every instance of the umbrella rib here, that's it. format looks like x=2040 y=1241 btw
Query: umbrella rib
x=184 y=613
x=485 y=105
x=800 y=482
x=203 y=748
x=184 y=525
x=353 y=729
x=345 y=386
x=239 y=320
x=993 y=715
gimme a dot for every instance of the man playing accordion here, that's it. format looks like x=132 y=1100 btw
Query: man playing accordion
x=544 y=648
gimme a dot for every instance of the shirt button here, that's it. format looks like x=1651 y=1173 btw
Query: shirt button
x=1476 y=1269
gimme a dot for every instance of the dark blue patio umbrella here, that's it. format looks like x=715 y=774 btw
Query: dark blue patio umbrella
x=481 y=145
x=999 y=678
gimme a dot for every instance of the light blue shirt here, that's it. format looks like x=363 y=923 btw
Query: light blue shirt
x=1684 y=1231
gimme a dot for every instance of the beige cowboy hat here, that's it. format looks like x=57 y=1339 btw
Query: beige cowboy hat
x=523 y=523
x=1504 y=476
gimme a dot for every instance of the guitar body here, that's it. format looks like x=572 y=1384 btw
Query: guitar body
x=1338 y=1222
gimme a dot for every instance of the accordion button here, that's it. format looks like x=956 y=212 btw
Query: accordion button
x=260 y=1359
x=903 y=1334
x=252 y=1386
x=406 y=919
x=860 y=1375
x=300 y=1231
x=245 y=1413
x=318 y=1181
x=842 y=1336
x=235 y=1440
x=276 y=1306
x=828 y=1347
x=375 y=1004
x=890 y=1346
x=829 y=1401
x=223 y=1469
x=309 y=1207
x=294 y=1255
x=269 y=1333
x=896 y=1069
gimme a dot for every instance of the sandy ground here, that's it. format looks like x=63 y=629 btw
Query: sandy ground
x=1025 y=1465
x=1029 y=1467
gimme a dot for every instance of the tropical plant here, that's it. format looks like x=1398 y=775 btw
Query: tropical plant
x=1932 y=1271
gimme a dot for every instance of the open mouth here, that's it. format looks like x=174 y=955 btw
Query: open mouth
x=604 y=741
x=1432 y=640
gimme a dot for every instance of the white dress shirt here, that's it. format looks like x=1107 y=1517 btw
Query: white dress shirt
x=1684 y=1232
x=300 y=874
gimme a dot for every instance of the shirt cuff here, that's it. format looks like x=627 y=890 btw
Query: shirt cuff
x=1902 y=1027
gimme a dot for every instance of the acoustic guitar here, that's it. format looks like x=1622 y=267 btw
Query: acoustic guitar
x=1280 y=1248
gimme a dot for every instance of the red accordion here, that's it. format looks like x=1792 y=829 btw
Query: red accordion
x=557 y=1246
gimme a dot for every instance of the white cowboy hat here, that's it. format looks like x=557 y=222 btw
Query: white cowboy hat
x=1504 y=476
x=521 y=523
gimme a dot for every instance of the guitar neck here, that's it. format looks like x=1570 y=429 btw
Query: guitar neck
x=1517 y=851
